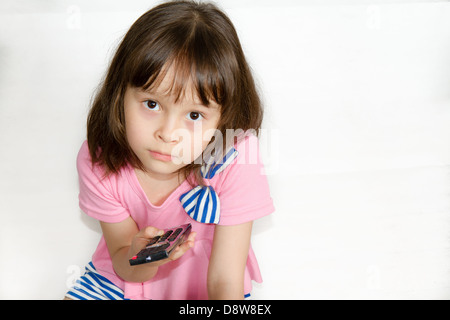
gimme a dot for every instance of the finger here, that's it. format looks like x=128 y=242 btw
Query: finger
x=144 y=235
x=192 y=236
x=149 y=232
x=182 y=248
x=188 y=243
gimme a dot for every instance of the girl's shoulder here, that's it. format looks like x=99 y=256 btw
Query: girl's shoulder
x=247 y=145
x=87 y=170
x=85 y=165
x=247 y=160
x=100 y=195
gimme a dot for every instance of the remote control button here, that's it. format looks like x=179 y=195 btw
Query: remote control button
x=175 y=234
x=153 y=240
x=166 y=235
x=156 y=248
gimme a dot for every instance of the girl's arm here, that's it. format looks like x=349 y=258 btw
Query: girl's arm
x=124 y=240
x=228 y=260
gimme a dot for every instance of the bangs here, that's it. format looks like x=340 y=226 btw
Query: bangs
x=193 y=58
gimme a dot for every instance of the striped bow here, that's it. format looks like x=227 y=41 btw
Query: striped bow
x=202 y=203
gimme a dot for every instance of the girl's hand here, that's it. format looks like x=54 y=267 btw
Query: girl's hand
x=142 y=238
x=125 y=240
x=180 y=250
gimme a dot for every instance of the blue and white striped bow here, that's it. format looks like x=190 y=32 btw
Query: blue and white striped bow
x=202 y=203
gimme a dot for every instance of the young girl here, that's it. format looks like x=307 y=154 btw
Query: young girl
x=171 y=139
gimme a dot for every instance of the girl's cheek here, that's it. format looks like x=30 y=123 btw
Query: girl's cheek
x=187 y=150
x=192 y=149
x=148 y=114
x=195 y=127
x=197 y=137
x=194 y=140
x=197 y=149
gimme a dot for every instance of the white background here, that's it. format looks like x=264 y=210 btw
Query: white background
x=356 y=142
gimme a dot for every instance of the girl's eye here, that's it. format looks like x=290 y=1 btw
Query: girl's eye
x=194 y=116
x=152 y=105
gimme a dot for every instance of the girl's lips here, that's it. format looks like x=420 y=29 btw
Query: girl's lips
x=161 y=156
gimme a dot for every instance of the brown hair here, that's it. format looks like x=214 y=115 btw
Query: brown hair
x=202 y=43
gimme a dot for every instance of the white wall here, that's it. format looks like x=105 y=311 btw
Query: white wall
x=356 y=143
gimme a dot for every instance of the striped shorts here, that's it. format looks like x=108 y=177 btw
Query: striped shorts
x=94 y=286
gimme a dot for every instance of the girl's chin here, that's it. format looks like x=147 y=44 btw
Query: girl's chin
x=163 y=167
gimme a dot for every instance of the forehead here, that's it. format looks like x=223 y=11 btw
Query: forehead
x=171 y=83
x=181 y=80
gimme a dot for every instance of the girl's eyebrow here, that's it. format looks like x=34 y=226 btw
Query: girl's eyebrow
x=157 y=94
x=148 y=91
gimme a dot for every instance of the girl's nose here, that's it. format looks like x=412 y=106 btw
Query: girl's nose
x=167 y=131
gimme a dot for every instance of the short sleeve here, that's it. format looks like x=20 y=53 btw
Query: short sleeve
x=244 y=194
x=98 y=197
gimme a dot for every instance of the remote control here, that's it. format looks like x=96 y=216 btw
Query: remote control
x=160 y=247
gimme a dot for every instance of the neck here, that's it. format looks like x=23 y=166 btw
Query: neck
x=160 y=178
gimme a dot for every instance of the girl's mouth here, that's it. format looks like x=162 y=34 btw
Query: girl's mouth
x=161 y=156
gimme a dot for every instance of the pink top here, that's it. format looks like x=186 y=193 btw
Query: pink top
x=244 y=196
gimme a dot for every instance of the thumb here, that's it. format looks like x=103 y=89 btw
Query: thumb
x=150 y=232
x=144 y=235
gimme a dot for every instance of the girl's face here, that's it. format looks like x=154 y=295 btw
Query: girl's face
x=166 y=134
